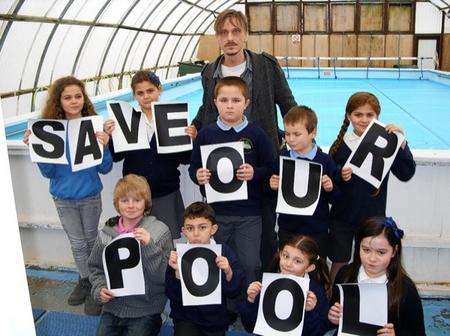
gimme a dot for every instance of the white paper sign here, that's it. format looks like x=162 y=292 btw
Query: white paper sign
x=374 y=153
x=122 y=265
x=130 y=132
x=281 y=310
x=85 y=149
x=223 y=160
x=300 y=186
x=200 y=277
x=47 y=141
x=365 y=308
x=170 y=121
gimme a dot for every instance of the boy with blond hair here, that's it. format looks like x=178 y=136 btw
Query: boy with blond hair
x=135 y=314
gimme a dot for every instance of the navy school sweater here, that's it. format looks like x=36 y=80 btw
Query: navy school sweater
x=319 y=222
x=409 y=321
x=315 y=321
x=160 y=170
x=212 y=318
x=361 y=200
x=259 y=152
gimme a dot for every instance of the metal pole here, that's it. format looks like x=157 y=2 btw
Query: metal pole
x=334 y=65
x=318 y=66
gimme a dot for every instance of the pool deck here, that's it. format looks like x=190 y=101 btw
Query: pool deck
x=52 y=315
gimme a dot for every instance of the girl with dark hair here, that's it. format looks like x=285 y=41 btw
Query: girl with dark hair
x=299 y=256
x=160 y=170
x=360 y=200
x=378 y=259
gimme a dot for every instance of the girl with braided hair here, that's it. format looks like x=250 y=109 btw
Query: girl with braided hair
x=360 y=200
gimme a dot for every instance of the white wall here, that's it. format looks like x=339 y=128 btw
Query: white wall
x=15 y=310
x=419 y=206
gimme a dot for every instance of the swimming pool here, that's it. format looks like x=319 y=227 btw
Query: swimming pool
x=420 y=106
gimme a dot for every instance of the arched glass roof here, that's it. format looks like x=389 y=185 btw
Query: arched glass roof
x=101 y=41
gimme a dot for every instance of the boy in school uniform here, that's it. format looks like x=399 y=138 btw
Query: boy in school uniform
x=300 y=124
x=240 y=222
x=208 y=320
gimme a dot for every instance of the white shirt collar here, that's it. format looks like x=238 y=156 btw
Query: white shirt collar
x=351 y=139
x=364 y=278
x=148 y=124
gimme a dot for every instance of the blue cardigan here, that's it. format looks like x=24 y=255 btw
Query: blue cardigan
x=315 y=321
x=211 y=318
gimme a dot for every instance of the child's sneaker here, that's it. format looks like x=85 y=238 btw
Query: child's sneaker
x=91 y=307
x=80 y=292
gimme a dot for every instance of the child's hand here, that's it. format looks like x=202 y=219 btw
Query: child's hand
x=109 y=126
x=346 y=173
x=245 y=172
x=311 y=301
x=191 y=131
x=387 y=330
x=142 y=235
x=274 y=182
x=253 y=290
x=203 y=176
x=391 y=128
x=106 y=295
x=26 y=136
x=173 y=260
x=334 y=313
x=103 y=137
x=224 y=265
x=327 y=184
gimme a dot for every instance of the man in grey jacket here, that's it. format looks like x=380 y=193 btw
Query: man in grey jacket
x=267 y=87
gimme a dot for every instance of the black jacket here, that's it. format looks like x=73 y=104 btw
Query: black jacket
x=269 y=88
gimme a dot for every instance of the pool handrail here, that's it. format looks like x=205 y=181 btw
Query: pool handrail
x=316 y=61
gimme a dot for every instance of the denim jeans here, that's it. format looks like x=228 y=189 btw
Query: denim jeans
x=111 y=325
x=80 y=218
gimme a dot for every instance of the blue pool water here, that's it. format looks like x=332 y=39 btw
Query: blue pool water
x=420 y=107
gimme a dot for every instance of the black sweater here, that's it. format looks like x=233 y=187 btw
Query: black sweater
x=160 y=170
x=315 y=323
x=361 y=200
x=258 y=152
x=409 y=321
x=319 y=221
x=208 y=317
